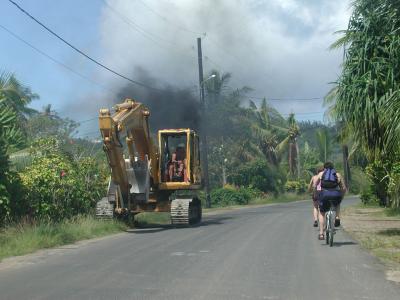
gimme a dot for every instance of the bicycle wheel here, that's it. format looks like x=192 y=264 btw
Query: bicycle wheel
x=327 y=226
x=331 y=229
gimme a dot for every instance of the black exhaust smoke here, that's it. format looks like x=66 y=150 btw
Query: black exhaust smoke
x=170 y=106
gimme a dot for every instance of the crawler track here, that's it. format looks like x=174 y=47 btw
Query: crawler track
x=185 y=211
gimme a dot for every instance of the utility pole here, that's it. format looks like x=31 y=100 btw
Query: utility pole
x=203 y=127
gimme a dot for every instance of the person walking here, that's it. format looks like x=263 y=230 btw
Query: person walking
x=315 y=188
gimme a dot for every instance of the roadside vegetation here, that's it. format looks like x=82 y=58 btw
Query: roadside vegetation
x=49 y=180
x=257 y=153
x=366 y=98
x=24 y=238
x=365 y=102
x=376 y=229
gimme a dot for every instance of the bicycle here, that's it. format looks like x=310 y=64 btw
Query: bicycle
x=330 y=217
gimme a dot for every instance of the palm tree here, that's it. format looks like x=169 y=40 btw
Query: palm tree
x=368 y=87
x=216 y=86
x=16 y=96
x=265 y=131
x=49 y=113
x=391 y=119
x=294 y=153
x=10 y=135
x=324 y=144
x=277 y=136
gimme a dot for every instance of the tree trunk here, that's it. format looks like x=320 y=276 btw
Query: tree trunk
x=290 y=159
x=346 y=166
x=223 y=174
x=298 y=159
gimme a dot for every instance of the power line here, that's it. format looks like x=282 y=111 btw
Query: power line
x=219 y=46
x=153 y=37
x=212 y=41
x=187 y=30
x=207 y=58
x=87 y=120
x=97 y=62
x=54 y=60
x=168 y=21
x=178 y=27
x=227 y=87
x=304 y=113
x=128 y=21
x=285 y=99
x=86 y=134
x=81 y=52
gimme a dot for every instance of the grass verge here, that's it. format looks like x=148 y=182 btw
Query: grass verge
x=26 y=238
x=376 y=229
x=152 y=219
x=283 y=198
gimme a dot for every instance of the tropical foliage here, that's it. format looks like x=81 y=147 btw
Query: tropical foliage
x=252 y=145
x=59 y=186
x=57 y=179
x=233 y=196
x=366 y=96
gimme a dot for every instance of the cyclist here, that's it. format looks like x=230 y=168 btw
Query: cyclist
x=314 y=189
x=332 y=188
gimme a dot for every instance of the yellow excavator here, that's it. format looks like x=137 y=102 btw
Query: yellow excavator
x=145 y=177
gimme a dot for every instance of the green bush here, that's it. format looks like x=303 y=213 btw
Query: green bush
x=377 y=172
x=368 y=197
x=58 y=186
x=11 y=197
x=229 y=196
x=298 y=187
x=4 y=203
x=260 y=175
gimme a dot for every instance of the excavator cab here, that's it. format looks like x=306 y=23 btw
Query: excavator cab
x=179 y=159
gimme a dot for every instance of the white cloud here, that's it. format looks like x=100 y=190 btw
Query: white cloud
x=278 y=47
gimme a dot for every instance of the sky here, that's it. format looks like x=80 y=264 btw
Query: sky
x=279 y=48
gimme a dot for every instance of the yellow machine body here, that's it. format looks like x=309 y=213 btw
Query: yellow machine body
x=140 y=178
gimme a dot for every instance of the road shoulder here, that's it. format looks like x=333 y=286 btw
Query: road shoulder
x=376 y=232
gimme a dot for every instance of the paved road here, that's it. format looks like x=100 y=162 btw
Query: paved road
x=268 y=252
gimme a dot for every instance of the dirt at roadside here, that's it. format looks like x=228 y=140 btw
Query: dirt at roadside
x=376 y=232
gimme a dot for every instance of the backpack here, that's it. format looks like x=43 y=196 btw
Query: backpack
x=329 y=179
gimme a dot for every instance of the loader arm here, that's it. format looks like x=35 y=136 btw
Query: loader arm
x=129 y=121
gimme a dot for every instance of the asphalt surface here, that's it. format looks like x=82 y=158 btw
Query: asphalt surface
x=269 y=252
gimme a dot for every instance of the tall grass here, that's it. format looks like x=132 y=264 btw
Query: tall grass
x=25 y=238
